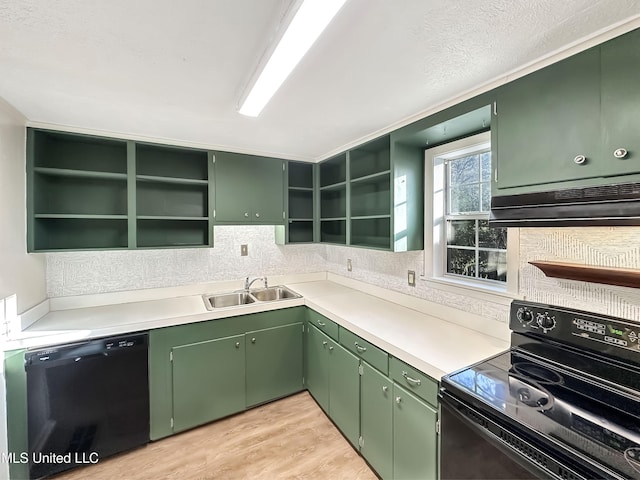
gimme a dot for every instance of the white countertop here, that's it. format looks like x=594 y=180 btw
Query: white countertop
x=428 y=343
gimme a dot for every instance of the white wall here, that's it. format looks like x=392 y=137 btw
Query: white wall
x=20 y=273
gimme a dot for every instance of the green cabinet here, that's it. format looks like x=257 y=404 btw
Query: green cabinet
x=205 y=370
x=273 y=363
x=376 y=420
x=208 y=381
x=415 y=444
x=248 y=189
x=87 y=192
x=372 y=196
x=15 y=378
x=571 y=124
x=300 y=202
x=333 y=380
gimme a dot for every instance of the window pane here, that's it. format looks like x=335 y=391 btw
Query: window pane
x=485 y=167
x=485 y=197
x=465 y=198
x=491 y=237
x=461 y=262
x=493 y=265
x=461 y=233
x=464 y=170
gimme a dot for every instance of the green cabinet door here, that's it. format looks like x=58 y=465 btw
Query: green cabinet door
x=248 y=189
x=620 y=59
x=208 y=381
x=274 y=363
x=414 y=437
x=376 y=420
x=317 y=374
x=344 y=391
x=546 y=119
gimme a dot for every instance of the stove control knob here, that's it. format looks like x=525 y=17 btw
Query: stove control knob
x=546 y=321
x=524 y=315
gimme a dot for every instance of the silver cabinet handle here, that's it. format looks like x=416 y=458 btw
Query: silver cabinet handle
x=324 y=343
x=237 y=344
x=580 y=159
x=253 y=340
x=385 y=389
x=246 y=214
x=620 y=153
x=257 y=215
x=360 y=348
x=411 y=380
x=398 y=400
x=321 y=324
x=330 y=348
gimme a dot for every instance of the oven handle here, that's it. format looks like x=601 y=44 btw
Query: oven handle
x=490 y=430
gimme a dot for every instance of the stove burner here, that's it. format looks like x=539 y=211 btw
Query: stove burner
x=538 y=373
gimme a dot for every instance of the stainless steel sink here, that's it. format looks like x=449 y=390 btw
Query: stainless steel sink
x=228 y=300
x=273 y=293
x=242 y=297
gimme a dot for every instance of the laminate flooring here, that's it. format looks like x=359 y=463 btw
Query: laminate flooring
x=289 y=438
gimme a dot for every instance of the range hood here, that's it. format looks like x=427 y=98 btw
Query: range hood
x=617 y=204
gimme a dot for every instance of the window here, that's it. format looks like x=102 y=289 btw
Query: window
x=463 y=249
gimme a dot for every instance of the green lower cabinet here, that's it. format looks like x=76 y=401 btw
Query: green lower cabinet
x=16 y=405
x=208 y=381
x=414 y=437
x=344 y=391
x=274 y=363
x=376 y=420
x=317 y=375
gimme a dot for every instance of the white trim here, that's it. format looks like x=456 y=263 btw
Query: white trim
x=433 y=268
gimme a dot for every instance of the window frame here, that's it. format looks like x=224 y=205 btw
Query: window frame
x=435 y=226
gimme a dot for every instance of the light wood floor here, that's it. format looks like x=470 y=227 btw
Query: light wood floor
x=289 y=438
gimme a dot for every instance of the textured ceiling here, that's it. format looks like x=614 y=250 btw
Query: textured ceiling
x=174 y=71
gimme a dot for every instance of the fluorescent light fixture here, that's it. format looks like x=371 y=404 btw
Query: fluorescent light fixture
x=308 y=23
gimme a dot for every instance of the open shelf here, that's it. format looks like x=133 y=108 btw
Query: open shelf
x=371 y=232
x=333 y=171
x=371 y=197
x=623 y=277
x=333 y=231
x=80 y=233
x=300 y=203
x=300 y=231
x=333 y=203
x=174 y=200
x=171 y=162
x=370 y=158
x=300 y=175
x=163 y=232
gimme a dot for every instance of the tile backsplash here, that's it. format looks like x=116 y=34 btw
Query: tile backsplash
x=78 y=273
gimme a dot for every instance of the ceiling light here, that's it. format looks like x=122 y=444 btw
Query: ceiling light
x=305 y=27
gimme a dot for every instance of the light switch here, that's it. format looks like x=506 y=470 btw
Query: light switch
x=411 y=278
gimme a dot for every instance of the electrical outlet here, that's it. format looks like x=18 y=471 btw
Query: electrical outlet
x=349 y=266
x=411 y=278
x=244 y=250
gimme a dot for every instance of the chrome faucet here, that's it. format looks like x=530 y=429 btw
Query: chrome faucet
x=247 y=283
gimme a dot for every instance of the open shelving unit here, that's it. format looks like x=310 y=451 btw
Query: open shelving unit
x=333 y=200
x=88 y=192
x=172 y=197
x=77 y=192
x=300 y=202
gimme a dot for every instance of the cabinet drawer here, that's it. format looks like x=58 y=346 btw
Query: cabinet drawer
x=414 y=380
x=369 y=353
x=323 y=323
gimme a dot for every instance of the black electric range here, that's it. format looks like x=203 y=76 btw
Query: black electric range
x=563 y=402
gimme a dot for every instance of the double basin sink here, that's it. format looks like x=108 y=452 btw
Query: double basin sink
x=247 y=297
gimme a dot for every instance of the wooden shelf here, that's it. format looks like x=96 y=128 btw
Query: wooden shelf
x=623 y=277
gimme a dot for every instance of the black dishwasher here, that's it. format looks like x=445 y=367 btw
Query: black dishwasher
x=86 y=401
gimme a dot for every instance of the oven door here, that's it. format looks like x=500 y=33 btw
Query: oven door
x=474 y=446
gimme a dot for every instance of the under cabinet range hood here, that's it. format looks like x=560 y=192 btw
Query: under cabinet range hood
x=617 y=204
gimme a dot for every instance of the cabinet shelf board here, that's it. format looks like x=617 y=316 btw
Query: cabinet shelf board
x=173 y=180
x=169 y=217
x=80 y=216
x=301 y=189
x=67 y=172
x=332 y=219
x=374 y=176
x=292 y=219
x=369 y=217
x=334 y=186
x=623 y=277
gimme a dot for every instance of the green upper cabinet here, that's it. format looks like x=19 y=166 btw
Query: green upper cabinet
x=87 y=192
x=300 y=202
x=372 y=196
x=572 y=123
x=248 y=189
x=77 y=195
